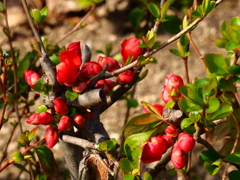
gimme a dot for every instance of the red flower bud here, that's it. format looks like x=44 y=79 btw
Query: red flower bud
x=158 y=107
x=112 y=63
x=68 y=68
x=79 y=119
x=172 y=131
x=60 y=106
x=75 y=47
x=44 y=118
x=154 y=149
x=32 y=119
x=31 y=77
x=110 y=84
x=169 y=139
x=102 y=85
x=166 y=95
x=80 y=87
x=125 y=77
x=51 y=135
x=129 y=47
x=89 y=70
x=178 y=157
x=173 y=81
x=65 y=123
x=186 y=142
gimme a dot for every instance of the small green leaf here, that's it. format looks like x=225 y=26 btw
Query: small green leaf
x=36 y=15
x=233 y=175
x=21 y=167
x=221 y=43
x=154 y=10
x=212 y=169
x=72 y=111
x=44 y=13
x=186 y=122
x=151 y=108
x=131 y=102
x=216 y=63
x=208 y=155
x=232 y=46
x=143 y=45
x=213 y=105
x=38 y=87
x=211 y=6
x=164 y=9
x=224 y=110
x=185 y=104
x=125 y=165
x=42 y=108
x=235 y=21
x=194 y=108
x=128 y=177
x=235 y=69
x=184 y=40
x=197 y=14
x=31 y=134
x=143 y=75
x=2 y=8
x=175 y=52
x=147 y=176
x=47 y=161
x=233 y=158
x=6 y=31
x=17 y=156
x=108 y=49
x=202 y=82
x=132 y=146
x=70 y=95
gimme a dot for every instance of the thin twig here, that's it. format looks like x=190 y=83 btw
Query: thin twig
x=77 y=27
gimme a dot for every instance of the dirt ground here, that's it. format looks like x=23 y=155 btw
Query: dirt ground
x=105 y=28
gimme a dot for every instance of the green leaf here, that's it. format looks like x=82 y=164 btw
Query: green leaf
x=221 y=43
x=185 y=104
x=232 y=46
x=233 y=175
x=212 y=169
x=235 y=21
x=108 y=49
x=107 y=145
x=70 y=95
x=17 y=156
x=128 y=177
x=36 y=15
x=2 y=8
x=208 y=155
x=31 y=134
x=184 y=40
x=216 y=63
x=44 y=13
x=132 y=128
x=211 y=6
x=151 y=38
x=224 y=110
x=152 y=109
x=131 y=102
x=42 y=108
x=233 y=158
x=190 y=92
x=213 y=105
x=197 y=14
x=175 y=52
x=24 y=64
x=132 y=146
x=143 y=75
x=21 y=167
x=235 y=69
x=202 y=82
x=164 y=10
x=38 y=87
x=47 y=161
x=143 y=45
x=147 y=176
x=125 y=165
x=154 y=10
x=186 y=122
x=136 y=15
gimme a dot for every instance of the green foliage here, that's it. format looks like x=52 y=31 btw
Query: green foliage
x=39 y=16
x=47 y=161
x=107 y=145
x=71 y=95
x=42 y=87
x=17 y=156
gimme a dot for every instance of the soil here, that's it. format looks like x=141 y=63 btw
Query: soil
x=109 y=24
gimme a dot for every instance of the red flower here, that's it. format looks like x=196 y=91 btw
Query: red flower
x=65 y=123
x=129 y=47
x=68 y=68
x=80 y=87
x=173 y=81
x=51 y=135
x=186 y=142
x=178 y=157
x=32 y=119
x=60 y=106
x=125 y=77
x=89 y=70
x=79 y=119
x=172 y=131
x=154 y=149
x=75 y=47
x=102 y=84
x=43 y=118
x=112 y=63
x=166 y=95
x=31 y=77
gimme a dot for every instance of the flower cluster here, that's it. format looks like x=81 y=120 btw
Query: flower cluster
x=76 y=76
x=182 y=142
